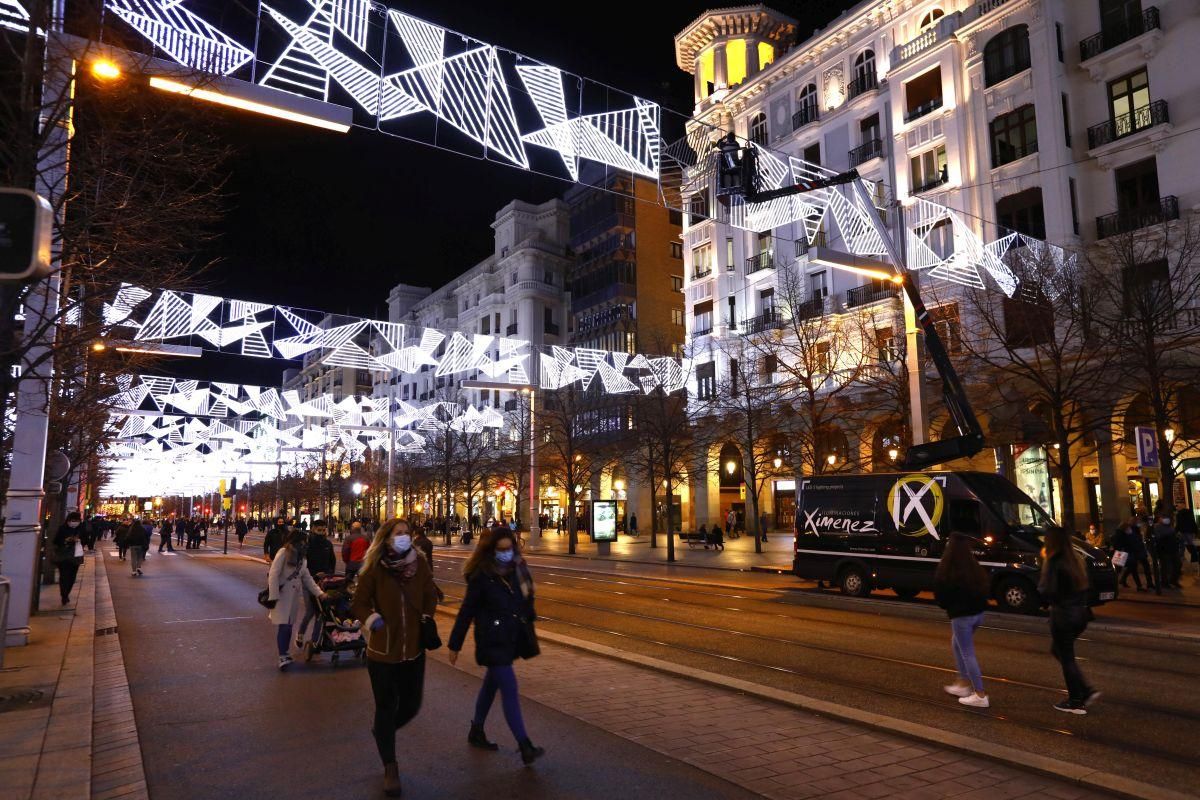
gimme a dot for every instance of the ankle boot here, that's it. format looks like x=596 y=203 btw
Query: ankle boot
x=529 y=753
x=391 y=780
x=477 y=738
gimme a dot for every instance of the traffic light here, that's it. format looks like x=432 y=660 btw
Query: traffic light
x=26 y=221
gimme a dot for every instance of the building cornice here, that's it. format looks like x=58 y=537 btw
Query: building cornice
x=740 y=21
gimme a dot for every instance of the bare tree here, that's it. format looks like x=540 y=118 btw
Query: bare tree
x=513 y=448
x=1146 y=285
x=567 y=449
x=136 y=188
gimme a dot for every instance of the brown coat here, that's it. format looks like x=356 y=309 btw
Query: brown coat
x=401 y=604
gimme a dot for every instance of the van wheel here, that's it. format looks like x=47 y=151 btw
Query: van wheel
x=853 y=582
x=1018 y=595
x=906 y=594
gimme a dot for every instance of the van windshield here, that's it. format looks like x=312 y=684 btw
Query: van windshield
x=1010 y=504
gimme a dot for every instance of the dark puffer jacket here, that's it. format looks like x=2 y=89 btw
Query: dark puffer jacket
x=498 y=608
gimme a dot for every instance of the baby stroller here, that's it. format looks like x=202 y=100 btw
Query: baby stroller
x=339 y=630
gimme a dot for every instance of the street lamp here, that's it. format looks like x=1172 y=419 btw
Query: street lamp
x=893 y=454
x=831 y=459
x=106 y=69
x=730 y=466
x=777 y=461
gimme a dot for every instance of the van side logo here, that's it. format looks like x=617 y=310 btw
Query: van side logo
x=916 y=502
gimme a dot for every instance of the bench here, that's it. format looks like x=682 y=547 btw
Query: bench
x=694 y=538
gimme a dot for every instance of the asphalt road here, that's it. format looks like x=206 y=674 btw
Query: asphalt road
x=218 y=720
x=1144 y=727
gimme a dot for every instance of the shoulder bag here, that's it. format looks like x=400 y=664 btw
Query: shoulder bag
x=527 y=639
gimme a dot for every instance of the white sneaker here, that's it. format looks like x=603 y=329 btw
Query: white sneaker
x=958 y=690
x=975 y=701
x=284 y=661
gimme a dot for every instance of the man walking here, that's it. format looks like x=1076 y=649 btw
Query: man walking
x=138 y=542
x=180 y=527
x=164 y=537
x=354 y=550
x=274 y=539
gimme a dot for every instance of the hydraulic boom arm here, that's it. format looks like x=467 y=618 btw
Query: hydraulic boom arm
x=738 y=175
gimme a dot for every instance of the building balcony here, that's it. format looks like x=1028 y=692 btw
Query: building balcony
x=871 y=292
x=1117 y=35
x=810 y=309
x=1129 y=220
x=938 y=180
x=802 y=245
x=1140 y=119
x=511 y=330
x=807 y=114
x=698 y=332
x=930 y=37
x=866 y=152
x=759 y=262
x=766 y=321
x=862 y=84
x=550 y=329
x=925 y=108
x=701 y=273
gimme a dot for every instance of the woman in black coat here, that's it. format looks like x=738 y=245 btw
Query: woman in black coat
x=499 y=601
x=1064 y=587
x=64 y=555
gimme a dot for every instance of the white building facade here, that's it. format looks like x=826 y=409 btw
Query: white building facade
x=1067 y=120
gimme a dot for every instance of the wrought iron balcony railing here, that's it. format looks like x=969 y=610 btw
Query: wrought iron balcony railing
x=862 y=84
x=761 y=261
x=932 y=183
x=703 y=272
x=698 y=332
x=865 y=152
x=802 y=245
x=870 y=293
x=808 y=113
x=1165 y=210
x=1139 y=119
x=1118 y=34
x=766 y=321
x=927 y=107
x=511 y=330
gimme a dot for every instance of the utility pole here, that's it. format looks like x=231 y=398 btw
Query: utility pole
x=23 y=521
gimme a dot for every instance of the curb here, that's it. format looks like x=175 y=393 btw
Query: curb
x=117 y=768
x=1111 y=783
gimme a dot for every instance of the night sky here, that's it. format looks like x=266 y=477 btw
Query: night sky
x=332 y=221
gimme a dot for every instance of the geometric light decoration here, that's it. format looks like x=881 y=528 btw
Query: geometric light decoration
x=185 y=37
x=13 y=16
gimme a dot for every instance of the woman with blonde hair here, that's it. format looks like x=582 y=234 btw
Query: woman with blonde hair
x=394 y=594
x=1064 y=587
x=499 y=601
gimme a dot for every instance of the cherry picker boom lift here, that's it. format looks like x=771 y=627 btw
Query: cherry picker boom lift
x=737 y=175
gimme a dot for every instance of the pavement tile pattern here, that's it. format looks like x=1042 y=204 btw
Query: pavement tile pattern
x=778 y=752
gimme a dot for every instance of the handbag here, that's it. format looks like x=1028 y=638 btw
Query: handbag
x=527 y=640
x=430 y=640
x=264 y=601
x=1120 y=558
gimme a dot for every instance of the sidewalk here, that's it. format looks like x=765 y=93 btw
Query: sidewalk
x=66 y=719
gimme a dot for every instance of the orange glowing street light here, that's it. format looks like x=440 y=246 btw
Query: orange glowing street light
x=106 y=69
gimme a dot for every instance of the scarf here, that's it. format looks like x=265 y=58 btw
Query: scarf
x=402 y=567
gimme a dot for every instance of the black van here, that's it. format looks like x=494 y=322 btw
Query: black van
x=887 y=530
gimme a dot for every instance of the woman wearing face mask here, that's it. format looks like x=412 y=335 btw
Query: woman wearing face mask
x=286 y=583
x=499 y=601
x=64 y=555
x=395 y=592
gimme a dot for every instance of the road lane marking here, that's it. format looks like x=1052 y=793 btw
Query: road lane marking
x=210 y=619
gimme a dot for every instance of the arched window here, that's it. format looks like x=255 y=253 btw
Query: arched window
x=758 y=129
x=931 y=17
x=806 y=106
x=1006 y=54
x=864 y=74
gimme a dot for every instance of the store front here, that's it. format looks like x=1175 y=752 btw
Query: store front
x=785 y=505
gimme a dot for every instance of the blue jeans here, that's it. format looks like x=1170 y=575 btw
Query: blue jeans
x=962 y=641
x=283 y=638
x=504 y=679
